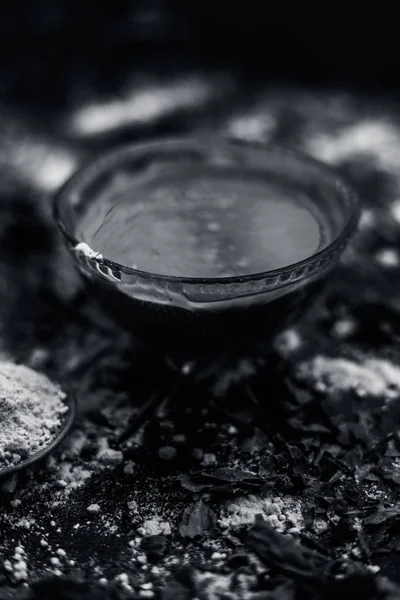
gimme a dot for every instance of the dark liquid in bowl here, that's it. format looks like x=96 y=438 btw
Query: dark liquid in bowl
x=190 y=333
x=204 y=225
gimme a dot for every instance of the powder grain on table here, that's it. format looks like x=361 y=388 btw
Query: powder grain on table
x=31 y=412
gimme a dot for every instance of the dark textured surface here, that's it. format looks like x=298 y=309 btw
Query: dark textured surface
x=327 y=453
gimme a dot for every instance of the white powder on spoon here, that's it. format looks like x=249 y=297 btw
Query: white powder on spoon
x=31 y=412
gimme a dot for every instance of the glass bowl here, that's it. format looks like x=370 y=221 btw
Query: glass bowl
x=207 y=314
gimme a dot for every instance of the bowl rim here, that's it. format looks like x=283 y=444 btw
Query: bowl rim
x=95 y=166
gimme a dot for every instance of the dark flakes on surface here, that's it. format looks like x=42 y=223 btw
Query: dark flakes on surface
x=197 y=520
x=226 y=481
x=281 y=552
x=382 y=515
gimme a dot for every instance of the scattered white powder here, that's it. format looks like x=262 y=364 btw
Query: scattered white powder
x=150 y=103
x=320 y=525
x=30 y=156
x=123 y=580
x=31 y=412
x=343 y=328
x=17 y=567
x=378 y=139
x=215 y=586
x=374 y=492
x=76 y=442
x=146 y=594
x=288 y=342
x=373 y=376
x=209 y=459
x=257 y=127
x=70 y=471
x=388 y=257
x=129 y=467
x=73 y=475
x=25 y=523
x=367 y=219
x=155 y=526
x=107 y=455
x=283 y=513
x=133 y=506
x=49 y=167
x=373 y=569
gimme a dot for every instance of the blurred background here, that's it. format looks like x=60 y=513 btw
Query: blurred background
x=77 y=78
x=322 y=43
x=71 y=72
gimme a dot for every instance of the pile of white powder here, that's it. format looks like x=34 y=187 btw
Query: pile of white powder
x=366 y=375
x=282 y=512
x=31 y=412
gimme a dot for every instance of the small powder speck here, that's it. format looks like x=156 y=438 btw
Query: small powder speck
x=373 y=569
x=129 y=467
x=57 y=572
x=288 y=342
x=209 y=459
x=155 y=526
x=146 y=594
x=93 y=508
x=132 y=505
x=343 y=328
x=367 y=219
x=146 y=586
x=388 y=257
x=107 y=455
